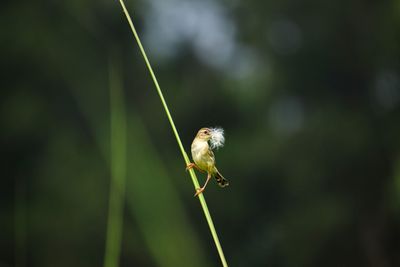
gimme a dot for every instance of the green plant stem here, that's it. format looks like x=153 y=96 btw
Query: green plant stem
x=185 y=156
x=118 y=167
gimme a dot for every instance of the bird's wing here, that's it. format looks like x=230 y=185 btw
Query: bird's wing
x=211 y=155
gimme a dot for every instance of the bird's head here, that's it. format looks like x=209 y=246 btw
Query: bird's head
x=204 y=134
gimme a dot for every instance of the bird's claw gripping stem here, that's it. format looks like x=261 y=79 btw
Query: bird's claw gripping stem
x=199 y=191
x=190 y=166
x=193 y=165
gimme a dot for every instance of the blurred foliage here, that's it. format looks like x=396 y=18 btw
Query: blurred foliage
x=307 y=91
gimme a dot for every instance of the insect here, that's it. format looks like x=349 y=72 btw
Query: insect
x=203 y=144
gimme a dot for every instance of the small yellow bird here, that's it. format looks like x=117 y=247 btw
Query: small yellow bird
x=203 y=156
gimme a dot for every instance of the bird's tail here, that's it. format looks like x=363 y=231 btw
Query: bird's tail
x=222 y=182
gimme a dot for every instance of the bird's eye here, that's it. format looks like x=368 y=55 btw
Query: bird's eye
x=206 y=132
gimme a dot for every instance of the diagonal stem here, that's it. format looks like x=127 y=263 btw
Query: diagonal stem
x=185 y=156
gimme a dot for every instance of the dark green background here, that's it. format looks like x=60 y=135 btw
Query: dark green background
x=308 y=93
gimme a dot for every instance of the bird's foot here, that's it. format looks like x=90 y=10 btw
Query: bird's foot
x=199 y=191
x=193 y=165
x=190 y=166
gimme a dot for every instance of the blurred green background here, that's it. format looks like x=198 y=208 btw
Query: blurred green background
x=308 y=93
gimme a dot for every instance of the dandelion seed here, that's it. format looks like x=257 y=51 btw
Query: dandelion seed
x=217 y=138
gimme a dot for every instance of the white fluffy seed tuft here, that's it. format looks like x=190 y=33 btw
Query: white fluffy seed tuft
x=217 y=138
